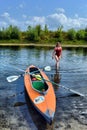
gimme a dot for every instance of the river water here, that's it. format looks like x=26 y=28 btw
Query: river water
x=16 y=111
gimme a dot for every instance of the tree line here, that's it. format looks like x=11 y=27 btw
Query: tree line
x=38 y=35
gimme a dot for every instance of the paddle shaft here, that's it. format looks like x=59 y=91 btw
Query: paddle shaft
x=71 y=90
x=13 y=78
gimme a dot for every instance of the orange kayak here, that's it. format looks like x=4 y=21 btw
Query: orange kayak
x=41 y=92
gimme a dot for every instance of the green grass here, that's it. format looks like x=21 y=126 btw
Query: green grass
x=65 y=43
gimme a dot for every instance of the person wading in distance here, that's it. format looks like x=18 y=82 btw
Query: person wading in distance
x=57 y=54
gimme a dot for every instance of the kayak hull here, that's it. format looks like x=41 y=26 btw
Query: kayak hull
x=44 y=102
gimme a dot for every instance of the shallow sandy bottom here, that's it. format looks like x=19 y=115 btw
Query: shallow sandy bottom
x=72 y=124
x=16 y=121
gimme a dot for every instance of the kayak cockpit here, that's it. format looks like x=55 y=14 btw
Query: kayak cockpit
x=38 y=82
x=40 y=87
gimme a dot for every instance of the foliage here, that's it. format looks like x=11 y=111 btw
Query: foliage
x=12 y=32
x=32 y=34
x=85 y=37
x=71 y=34
x=80 y=35
x=38 y=35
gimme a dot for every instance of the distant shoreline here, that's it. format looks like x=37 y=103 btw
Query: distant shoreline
x=41 y=45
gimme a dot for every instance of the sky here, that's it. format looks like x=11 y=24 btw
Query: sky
x=53 y=13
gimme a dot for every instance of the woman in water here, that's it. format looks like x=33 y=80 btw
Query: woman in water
x=57 y=53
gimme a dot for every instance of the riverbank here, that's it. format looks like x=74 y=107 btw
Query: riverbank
x=43 y=45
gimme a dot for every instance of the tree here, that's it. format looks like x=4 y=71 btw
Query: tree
x=15 y=33
x=58 y=34
x=38 y=30
x=31 y=34
x=85 y=37
x=45 y=29
x=1 y=35
x=80 y=34
x=29 y=28
x=71 y=34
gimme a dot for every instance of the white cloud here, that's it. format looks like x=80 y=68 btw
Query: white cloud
x=5 y=15
x=60 y=10
x=77 y=23
x=24 y=16
x=57 y=19
x=22 y=5
x=2 y=24
x=6 y=20
x=35 y=21
x=53 y=21
x=3 y=20
x=39 y=20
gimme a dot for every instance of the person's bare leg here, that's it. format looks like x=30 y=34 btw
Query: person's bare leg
x=57 y=62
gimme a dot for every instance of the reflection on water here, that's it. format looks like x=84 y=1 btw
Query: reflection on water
x=16 y=112
x=77 y=50
x=56 y=79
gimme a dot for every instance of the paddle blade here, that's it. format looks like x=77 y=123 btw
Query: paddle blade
x=47 y=68
x=12 y=78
